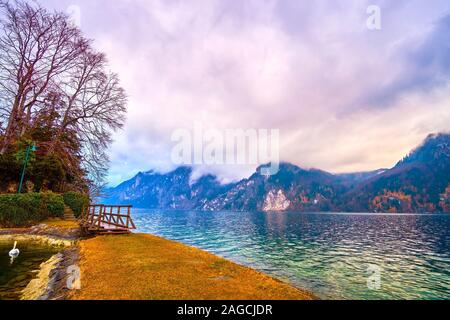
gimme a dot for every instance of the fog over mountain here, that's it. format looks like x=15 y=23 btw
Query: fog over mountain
x=311 y=69
x=420 y=182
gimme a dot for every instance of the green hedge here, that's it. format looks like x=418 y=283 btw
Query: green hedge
x=28 y=208
x=76 y=201
x=53 y=204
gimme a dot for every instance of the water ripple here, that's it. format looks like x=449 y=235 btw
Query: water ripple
x=325 y=253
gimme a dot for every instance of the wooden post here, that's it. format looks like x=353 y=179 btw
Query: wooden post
x=119 y=218
x=100 y=216
x=90 y=215
x=128 y=218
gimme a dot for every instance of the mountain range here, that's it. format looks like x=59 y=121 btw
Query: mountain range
x=420 y=182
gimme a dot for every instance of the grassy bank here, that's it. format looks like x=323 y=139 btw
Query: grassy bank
x=144 y=267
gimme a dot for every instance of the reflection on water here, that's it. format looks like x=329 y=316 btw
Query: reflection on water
x=16 y=274
x=328 y=254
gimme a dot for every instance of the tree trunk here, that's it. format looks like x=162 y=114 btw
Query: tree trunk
x=12 y=123
x=60 y=131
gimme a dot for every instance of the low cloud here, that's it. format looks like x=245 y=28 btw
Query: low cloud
x=345 y=98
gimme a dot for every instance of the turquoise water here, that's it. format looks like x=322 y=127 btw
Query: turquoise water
x=15 y=276
x=328 y=254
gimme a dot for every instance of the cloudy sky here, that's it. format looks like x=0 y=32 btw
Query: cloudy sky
x=344 y=97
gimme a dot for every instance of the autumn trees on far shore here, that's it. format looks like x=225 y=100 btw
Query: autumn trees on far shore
x=55 y=91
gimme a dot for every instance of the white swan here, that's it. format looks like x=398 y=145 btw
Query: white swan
x=14 y=253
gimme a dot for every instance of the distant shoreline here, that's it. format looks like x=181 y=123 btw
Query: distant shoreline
x=299 y=212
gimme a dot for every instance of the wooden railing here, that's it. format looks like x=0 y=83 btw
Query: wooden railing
x=105 y=218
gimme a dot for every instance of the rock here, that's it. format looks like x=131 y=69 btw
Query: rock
x=276 y=201
x=36 y=288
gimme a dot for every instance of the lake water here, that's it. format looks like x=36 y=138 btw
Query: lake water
x=14 y=276
x=336 y=256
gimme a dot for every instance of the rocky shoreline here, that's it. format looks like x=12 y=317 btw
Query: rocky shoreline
x=52 y=281
x=45 y=230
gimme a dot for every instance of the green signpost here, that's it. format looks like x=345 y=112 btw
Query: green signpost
x=30 y=148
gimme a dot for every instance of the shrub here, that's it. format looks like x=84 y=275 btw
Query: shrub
x=25 y=209
x=12 y=215
x=76 y=201
x=53 y=204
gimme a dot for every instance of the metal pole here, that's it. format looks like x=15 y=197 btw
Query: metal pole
x=24 y=168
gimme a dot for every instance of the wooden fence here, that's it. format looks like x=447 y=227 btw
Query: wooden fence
x=105 y=219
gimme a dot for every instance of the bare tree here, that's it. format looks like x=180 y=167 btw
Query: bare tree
x=51 y=76
x=36 y=48
x=92 y=104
